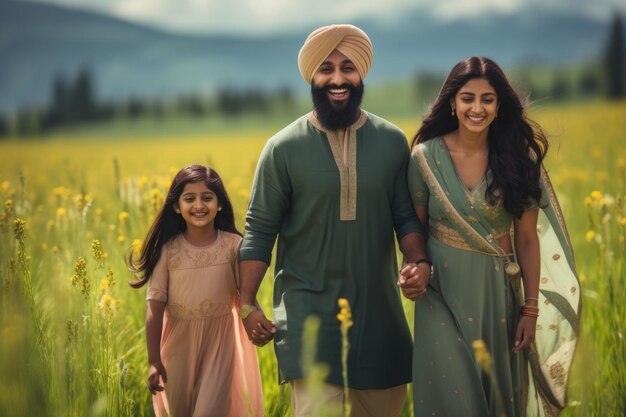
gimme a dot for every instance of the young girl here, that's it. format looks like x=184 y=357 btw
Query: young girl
x=199 y=361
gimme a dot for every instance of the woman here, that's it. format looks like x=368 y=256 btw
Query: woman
x=486 y=345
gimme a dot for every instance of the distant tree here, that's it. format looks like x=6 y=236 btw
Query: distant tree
x=4 y=126
x=230 y=102
x=614 y=59
x=589 y=83
x=560 y=86
x=82 y=101
x=28 y=122
x=256 y=100
x=135 y=108
x=192 y=104
x=427 y=86
x=285 y=96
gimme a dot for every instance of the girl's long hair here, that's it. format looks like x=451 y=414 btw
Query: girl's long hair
x=168 y=223
x=517 y=145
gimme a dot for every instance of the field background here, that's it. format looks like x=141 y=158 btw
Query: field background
x=71 y=330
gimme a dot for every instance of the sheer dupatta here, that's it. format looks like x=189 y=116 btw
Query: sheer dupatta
x=550 y=357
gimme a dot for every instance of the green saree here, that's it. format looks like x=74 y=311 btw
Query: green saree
x=465 y=324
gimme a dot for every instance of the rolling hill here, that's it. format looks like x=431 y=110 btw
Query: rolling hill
x=40 y=42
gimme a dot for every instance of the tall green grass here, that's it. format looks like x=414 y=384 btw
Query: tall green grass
x=72 y=331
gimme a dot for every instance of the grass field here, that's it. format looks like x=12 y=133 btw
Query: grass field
x=71 y=330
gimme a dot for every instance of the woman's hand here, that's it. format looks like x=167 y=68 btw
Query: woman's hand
x=156 y=372
x=414 y=280
x=525 y=334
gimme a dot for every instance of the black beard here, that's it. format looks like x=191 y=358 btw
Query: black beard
x=331 y=116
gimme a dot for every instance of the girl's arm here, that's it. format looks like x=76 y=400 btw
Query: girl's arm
x=154 y=327
x=527 y=251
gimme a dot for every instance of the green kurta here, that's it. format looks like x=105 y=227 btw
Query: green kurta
x=335 y=209
x=472 y=305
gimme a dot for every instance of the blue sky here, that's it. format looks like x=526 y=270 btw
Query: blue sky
x=271 y=16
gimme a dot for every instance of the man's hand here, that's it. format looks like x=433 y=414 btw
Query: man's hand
x=414 y=280
x=260 y=330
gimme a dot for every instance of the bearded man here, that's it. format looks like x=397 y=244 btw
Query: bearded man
x=332 y=186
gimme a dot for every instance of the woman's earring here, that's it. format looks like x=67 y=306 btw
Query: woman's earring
x=219 y=209
x=452 y=112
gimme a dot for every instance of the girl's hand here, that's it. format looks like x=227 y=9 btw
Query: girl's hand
x=156 y=372
x=260 y=330
x=525 y=333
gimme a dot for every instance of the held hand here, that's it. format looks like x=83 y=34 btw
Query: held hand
x=260 y=330
x=414 y=280
x=156 y=372
x=525 y=334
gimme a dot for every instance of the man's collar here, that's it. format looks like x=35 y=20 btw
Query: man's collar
x=356 y=125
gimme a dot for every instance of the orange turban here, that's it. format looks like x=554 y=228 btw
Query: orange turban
x=347 y=39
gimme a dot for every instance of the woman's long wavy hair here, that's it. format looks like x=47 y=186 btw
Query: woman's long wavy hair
x=517 y=145
x=168 y=223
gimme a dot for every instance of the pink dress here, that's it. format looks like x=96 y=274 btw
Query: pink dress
x=212 y=368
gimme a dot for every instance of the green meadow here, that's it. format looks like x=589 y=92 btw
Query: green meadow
x=75 y=202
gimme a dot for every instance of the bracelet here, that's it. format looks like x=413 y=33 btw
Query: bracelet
x=530 y=311
x=531 y=298
x=422 y=260
x=245 y=310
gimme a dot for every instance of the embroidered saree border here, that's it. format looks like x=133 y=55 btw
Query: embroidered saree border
x=483 y=245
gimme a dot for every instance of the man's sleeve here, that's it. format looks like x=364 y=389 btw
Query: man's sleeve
x=269 y=201
x=404 y=218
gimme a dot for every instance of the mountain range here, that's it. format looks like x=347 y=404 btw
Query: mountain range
x=39 y=42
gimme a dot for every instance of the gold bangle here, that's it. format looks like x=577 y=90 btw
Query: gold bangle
x=530 y=311
x=245 y=310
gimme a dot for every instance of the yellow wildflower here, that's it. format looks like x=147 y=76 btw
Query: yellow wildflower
x=588 y=201
x=482 y=356
x=155 y=193
x=61 y=212
x=142 y=181
x=19 y=227
x=104 y=285
x=5 y=186
x=137 y=244
x=623 y=221
x=590 y=235
x=596 y=195
x=59 y=191
x=121 y=239
x=621 y=163
x=123 y=216
x=108 y=305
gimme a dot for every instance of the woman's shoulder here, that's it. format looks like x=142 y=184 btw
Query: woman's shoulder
x=427 y=146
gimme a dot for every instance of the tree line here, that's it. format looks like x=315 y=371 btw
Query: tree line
x=73 y=101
